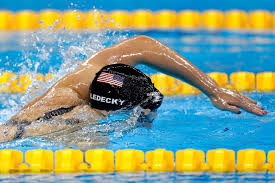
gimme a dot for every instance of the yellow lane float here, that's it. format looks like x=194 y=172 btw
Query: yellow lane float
x=212 y=19
x=73 y=20
x=260 y=19
x=68 y=160
x=5 y=79
x=190 y=160
x=165 y=19
x=159 y=160
x=10 y=161
x=243 y=81
x=100 y=160
x=26 y=20
x=6 y=20
x=129 y=160
x=221 y=160
x=96 y=20
x=273 y=21
x=39 y=161
x=271 y=161
x=49 y=19
x=24 y=81
x=220 y=78
x=188 y=19
x=265 y=81
x=164 y=83
x=39 y=77
x=48 y=77
x=142 y=19
x=251 y=160
x=8 y=83
x=236 y=19
x=119 y=19
x=186 y=89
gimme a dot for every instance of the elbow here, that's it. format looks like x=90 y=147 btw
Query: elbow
x=133 y=50
x=143 y=38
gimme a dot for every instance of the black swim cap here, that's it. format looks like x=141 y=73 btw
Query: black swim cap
x=120 y=86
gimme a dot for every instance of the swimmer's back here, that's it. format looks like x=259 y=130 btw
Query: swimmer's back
x=71 y=90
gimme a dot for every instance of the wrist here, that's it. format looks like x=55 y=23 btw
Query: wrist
x=213 y=91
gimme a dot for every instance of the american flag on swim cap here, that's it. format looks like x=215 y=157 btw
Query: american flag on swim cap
x=112 y=79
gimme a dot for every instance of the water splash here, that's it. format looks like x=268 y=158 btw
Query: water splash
x=57 y=52
x=54 y=52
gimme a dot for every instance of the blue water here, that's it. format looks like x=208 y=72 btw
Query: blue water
x=182 y=121
x=141 y=177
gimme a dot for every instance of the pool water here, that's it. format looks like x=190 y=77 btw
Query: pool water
x=182 y=121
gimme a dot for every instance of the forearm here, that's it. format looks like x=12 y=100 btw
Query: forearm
x=143 y=49
x=170 y=62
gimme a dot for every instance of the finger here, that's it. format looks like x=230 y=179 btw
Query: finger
x=256 y=106
x=250 y=100
x=233 y=109
x=244 y=103
x=252 y=108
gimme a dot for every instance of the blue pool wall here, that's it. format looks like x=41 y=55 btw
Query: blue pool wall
x=16 y=5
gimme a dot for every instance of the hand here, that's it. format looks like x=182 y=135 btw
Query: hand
x=231 y=100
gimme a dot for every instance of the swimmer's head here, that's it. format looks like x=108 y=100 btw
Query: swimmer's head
x=122 y=87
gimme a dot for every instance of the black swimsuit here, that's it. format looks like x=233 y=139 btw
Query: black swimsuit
x=56 y=112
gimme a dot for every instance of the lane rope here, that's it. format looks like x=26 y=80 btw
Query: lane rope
x=27 y=20
x=131 y=160
x=241 y=81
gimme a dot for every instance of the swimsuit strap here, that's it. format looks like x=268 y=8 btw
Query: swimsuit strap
x=22 y=124
x=56 y=112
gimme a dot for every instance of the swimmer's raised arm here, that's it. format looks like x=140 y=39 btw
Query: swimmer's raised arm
x=143 y=49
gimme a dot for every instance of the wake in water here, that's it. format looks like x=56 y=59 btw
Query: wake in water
x=84 y=135
x=91 y=134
